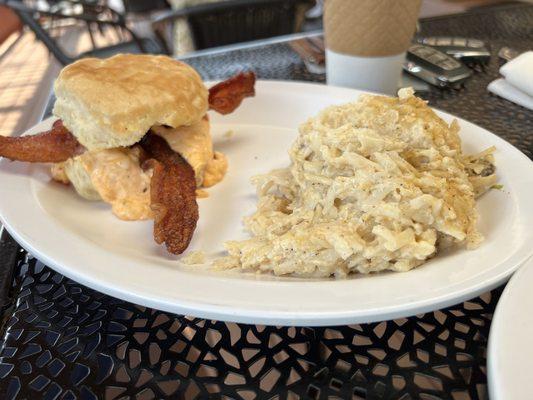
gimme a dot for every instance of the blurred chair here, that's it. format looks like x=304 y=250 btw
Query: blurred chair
x=144 y=6
x=92 y=13
x=139 y=14
x=234 y=21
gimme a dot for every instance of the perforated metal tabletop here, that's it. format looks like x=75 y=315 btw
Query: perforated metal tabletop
x=61 y=340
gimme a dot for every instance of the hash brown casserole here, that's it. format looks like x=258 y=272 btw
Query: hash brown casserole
x=378 y=184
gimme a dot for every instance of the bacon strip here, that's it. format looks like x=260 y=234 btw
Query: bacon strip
x=53 y=146
x=173 y=195
x=226 y=96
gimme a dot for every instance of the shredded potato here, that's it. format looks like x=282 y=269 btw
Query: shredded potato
x=193 y=258
x=379 y=184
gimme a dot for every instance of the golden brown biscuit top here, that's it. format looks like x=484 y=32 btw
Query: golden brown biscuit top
x=121 y=97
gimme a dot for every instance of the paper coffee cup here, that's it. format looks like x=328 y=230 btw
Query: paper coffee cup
x=366 y=41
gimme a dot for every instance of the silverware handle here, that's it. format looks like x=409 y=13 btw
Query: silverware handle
x=508 y=54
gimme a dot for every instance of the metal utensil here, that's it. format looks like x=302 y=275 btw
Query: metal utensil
x=507 y=53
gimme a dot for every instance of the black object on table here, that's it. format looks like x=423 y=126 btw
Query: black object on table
x=61 y=340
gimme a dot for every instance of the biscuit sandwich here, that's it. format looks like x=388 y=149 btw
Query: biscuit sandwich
x=133 y=131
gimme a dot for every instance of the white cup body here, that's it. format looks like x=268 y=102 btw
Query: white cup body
x=377 y=74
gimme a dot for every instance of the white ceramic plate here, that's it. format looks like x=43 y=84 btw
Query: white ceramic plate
x=510 y=342
x=84 y=241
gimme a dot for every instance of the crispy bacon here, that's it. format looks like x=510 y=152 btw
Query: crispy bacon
x=53 y=146
x=172 y=195
x=226 y=96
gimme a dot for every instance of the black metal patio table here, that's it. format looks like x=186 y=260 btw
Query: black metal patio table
x=61 y=340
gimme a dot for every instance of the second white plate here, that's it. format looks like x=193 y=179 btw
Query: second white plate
x=84 y=241
x=510 y=351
